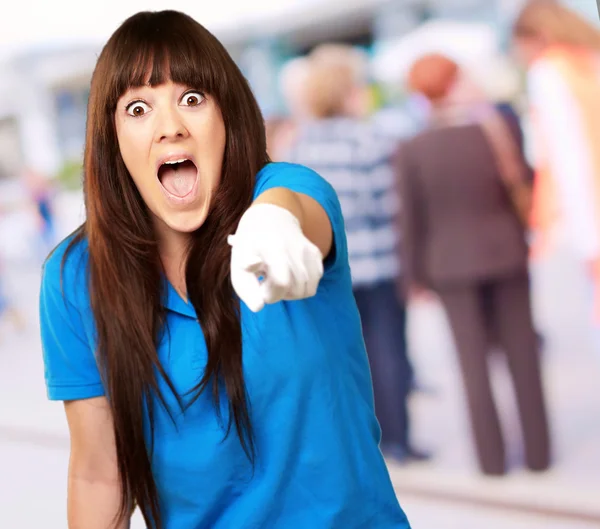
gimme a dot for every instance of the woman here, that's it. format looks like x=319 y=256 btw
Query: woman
x=561 y=52
x=464 y=239
x=202 y=410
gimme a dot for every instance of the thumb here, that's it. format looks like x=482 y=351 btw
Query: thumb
x=245 y=267
x=247 y=287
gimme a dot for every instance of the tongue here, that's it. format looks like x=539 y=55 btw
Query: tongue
x=179 y=179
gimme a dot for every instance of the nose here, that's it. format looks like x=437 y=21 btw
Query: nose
x=170 y=126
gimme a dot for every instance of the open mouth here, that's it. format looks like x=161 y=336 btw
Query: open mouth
x=178 y=177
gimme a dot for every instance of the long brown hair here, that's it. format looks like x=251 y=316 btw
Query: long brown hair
x=126 y=280
x=556 y=24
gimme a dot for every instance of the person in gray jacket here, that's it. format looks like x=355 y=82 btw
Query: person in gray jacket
x=463 y=239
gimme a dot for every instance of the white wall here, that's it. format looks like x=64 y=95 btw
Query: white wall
x=27 y=86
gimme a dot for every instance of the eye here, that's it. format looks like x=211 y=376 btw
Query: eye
x=137 y=109
x=192 y=99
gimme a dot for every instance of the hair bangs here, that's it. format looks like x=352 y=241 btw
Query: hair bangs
x=152 y=51
x=191 y=63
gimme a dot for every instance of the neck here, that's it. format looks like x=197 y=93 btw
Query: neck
x=173 y=247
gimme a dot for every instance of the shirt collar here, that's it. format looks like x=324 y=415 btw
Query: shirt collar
x=174 y=302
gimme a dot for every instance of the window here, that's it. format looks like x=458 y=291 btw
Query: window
x=71 y=107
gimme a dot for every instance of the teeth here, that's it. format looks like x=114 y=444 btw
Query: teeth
x=176 y=161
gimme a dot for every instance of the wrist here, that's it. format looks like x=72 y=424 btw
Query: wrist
x=282 y=198
x=266 y=214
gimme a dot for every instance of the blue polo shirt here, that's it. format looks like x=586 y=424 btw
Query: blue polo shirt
x=318 y=464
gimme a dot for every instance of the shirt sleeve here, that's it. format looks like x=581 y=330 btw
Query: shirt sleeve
x=566 y=151
x=303 y=180
x=70 y=367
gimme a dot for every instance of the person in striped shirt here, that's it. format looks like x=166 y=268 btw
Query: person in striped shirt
x=355 y=156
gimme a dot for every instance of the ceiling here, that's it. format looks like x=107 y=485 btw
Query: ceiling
x=35 y=24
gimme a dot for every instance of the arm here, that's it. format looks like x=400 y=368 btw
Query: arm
x=289 y=239
x=94 y=492
x=72 y=376
x=561 y=125
x=513 y=122
x=514 y=125
x=313 y=220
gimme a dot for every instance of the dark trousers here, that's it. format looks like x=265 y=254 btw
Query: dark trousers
x=383 y=318
x=499 y=312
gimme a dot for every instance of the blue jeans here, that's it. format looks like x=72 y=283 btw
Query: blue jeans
x=383 y=317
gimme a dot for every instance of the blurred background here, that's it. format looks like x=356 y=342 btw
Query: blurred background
x=47 y=55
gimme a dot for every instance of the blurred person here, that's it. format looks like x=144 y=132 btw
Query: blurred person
x=292 y=84
x=8 y=310
x=41 y=192
x=347 y=149
x=280 y=133
x=163 y=333
x=282 y=130
x=561 y=51
x=509 y=112
x=464 y=239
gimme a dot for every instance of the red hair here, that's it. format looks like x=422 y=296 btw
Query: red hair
x=432 y=75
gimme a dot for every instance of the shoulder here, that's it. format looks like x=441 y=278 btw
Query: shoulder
x=65 y=269
x=548 y=90
x=545 y=80
x=284 y=174
x=410 y=146
x=543 y=69
x=295 y=177
x=285 y=168
x=67 y=328
x=435 y=143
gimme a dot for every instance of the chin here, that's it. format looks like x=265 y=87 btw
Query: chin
x=183 y=221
